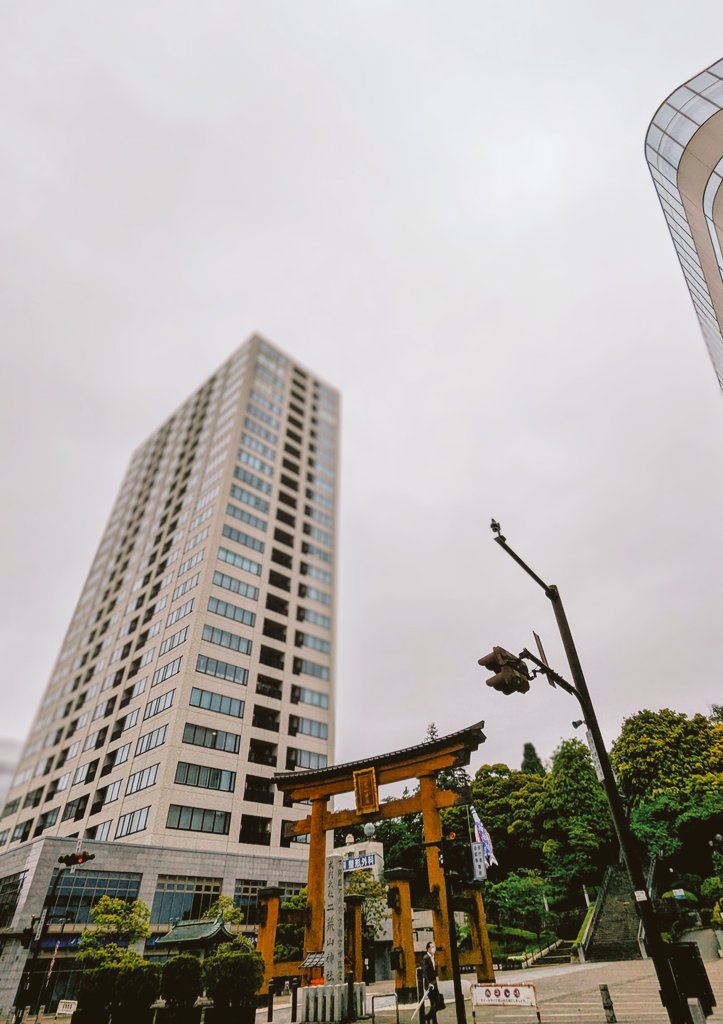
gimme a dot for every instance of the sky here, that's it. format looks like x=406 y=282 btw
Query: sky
x=441 y=209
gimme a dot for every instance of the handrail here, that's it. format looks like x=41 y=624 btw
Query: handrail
x=650 y=886
x=599 y=901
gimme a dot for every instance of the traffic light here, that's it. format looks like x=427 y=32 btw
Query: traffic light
x=511 y=674
x=71 y=859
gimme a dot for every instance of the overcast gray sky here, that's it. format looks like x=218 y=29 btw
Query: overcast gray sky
x=442 y=209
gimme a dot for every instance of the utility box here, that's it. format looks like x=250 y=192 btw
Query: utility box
x=690 y=974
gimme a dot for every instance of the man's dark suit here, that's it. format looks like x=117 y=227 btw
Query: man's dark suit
x=429 y=978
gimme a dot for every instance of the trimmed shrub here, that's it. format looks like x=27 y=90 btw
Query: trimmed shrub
x=181 y=981
x=95 y=992
x=233 y=974
x=137 y=986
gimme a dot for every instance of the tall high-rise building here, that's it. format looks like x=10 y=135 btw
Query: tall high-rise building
x=198 y=661
x=684 y=150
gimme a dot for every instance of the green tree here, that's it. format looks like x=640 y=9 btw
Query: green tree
x=290 y=929
x=402 y=839
x=136 y=986
x=374 y=909
x=181 y=980
x=116 y=920
x=518 y=900
x=509 y=804
x=711 y=890
x=666 y=752
x=576 y=822
x=531 y=760
x=233 y=974
x=225 y=909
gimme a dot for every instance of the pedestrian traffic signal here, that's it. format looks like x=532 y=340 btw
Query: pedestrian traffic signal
x=71 y=859
x=511 y=674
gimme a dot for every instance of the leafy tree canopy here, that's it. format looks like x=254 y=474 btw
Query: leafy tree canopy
x=508 y=802
x=518 y=899
x=666 y=752
x=374 y=910
x=225 y=909
x=233 y=973
x=116 y=921
x=575 y=818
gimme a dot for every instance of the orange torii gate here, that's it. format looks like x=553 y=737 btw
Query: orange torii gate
x=363 y=778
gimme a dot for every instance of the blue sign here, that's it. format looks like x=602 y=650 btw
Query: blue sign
x=368 y=860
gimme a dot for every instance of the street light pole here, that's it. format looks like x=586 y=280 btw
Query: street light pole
x=673 y=1000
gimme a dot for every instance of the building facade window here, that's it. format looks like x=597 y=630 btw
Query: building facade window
x=303 y=666
x=255 y=830
x=167 y=671
x=219 y=702
x=303 y=695
x=247 y=498
x=204 y=777
x=231 y=611
x=221 y=638
x=135 y=821
x=183 y=898
x=10 y=888
x=246 y=898
x=150 y=740
x=162 y=703
x=198 y=819
x=296 y=758
x=142 y=779
x=239 y=561
x=220 y=579
x=77 y=893
x=308 y=727
x=221 y=670
x=213 y=739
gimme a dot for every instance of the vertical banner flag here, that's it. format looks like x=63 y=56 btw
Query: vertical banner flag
x=482 y=836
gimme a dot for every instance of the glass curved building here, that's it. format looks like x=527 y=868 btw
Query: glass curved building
x=684 y=150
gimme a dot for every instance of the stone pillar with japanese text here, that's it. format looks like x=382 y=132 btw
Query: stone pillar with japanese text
x=334 y=921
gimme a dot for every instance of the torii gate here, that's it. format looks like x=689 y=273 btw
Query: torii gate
x=363 y=778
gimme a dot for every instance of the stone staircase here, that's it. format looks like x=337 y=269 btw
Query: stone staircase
x=614 y=932
x=561 y=954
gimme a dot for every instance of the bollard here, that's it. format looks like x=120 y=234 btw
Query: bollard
x=294 y=999
x=270 y=1013
x=608 y=1005
x=350 y=1005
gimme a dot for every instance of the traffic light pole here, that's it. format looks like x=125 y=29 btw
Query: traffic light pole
x=673 y=1000
x=443 y=845
x=69 y=861
x=26 y=981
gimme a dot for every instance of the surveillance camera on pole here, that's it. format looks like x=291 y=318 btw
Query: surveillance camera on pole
x=511 y=674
